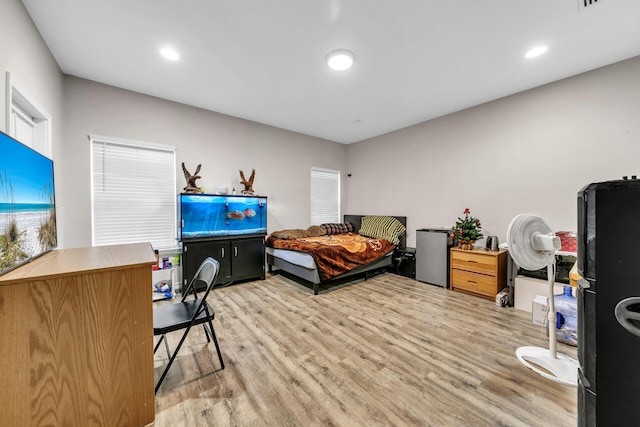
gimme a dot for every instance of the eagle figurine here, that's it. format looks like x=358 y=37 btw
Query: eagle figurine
x=191 y=187
x=248 y=184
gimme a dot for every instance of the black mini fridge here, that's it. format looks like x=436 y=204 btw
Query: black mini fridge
x=609 y=304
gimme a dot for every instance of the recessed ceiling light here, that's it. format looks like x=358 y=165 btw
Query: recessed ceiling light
x=340 y=59
x=536 y=51
x=169 y=53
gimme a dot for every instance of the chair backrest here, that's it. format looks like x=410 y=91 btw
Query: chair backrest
x=207 y=274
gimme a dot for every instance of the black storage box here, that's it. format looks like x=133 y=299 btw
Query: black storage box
x=404 y=262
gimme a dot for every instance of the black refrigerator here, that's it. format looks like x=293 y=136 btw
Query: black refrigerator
x=609 y=304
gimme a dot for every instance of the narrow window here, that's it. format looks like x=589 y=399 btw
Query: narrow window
x=325 y=196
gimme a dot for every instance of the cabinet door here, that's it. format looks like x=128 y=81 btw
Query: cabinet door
x=248 y=258
x=196 y=252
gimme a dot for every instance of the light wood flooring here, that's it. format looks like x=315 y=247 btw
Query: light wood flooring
x=389 y=351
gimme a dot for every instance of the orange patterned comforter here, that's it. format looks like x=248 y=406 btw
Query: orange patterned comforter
x=336 y=253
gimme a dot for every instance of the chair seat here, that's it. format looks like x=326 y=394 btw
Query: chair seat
x=173 y=317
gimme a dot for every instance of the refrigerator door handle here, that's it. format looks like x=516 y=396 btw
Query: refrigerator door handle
x=585 y=382
x=584 y=284
x=627 y=313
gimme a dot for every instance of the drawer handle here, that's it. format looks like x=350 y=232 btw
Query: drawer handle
x=473 y=261
x=471 y=281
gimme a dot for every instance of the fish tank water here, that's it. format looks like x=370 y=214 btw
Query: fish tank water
x=213 y=215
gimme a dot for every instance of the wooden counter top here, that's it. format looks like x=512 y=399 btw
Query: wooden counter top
x=68 y=262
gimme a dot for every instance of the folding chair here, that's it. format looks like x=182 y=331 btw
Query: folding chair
x=187 y=313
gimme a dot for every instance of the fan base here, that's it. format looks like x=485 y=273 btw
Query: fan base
x=562 y=369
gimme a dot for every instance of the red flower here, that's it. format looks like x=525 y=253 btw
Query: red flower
x=466 y=211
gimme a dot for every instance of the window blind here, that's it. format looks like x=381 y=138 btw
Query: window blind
x=133 y=193
x=325 y=196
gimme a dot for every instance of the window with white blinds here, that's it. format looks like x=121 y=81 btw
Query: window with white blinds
x=325 y=196
x=133 y=192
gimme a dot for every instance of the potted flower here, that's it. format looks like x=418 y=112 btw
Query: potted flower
x=467 y=230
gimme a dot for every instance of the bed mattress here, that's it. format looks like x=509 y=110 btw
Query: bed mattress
x=294 y=257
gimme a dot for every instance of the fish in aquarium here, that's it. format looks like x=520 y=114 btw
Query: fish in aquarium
x=248 y=213
x=236 y=215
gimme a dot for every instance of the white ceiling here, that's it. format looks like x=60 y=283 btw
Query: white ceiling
x=263 y=60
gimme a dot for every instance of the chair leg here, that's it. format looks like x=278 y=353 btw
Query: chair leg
x=175 y=352
x=215 y=341
x=172 y=358
x=166 y=345
x=206 y=332
x=158 y=344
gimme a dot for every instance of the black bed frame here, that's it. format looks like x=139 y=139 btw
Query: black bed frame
x=302 y=274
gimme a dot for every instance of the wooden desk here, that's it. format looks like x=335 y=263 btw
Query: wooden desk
x=76 y=346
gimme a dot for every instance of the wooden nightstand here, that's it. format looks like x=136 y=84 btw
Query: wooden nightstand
x=479 y=272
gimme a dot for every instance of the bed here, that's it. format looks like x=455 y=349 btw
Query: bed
x=292 y=256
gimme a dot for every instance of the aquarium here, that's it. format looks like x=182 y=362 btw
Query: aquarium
x=27 y=204
x=212 y=215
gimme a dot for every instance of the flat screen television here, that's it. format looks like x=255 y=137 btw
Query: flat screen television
x=212 y=215
x=27 y=204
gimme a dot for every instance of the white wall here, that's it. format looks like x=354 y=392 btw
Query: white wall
x=530 y=152
x=25 y=55
x=222 y=144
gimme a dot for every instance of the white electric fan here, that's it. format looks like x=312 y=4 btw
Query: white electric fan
x=532 y=246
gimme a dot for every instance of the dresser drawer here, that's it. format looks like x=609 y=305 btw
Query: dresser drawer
x=480 y=284
x=478 y=272
x=474 y=261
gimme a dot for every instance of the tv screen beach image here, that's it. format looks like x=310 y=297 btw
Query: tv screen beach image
x=27 y=204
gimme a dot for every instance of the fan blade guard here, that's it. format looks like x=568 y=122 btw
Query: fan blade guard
x=529 y=236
